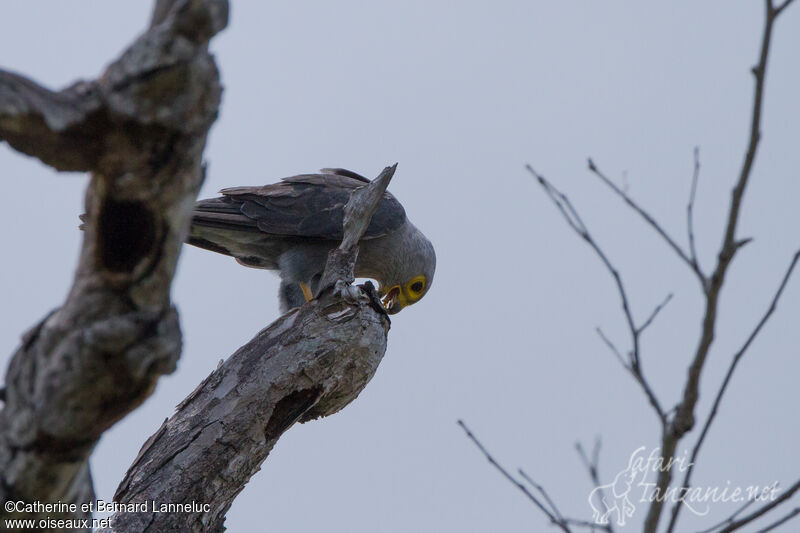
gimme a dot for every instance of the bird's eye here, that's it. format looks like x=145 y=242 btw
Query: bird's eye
x=415 y=288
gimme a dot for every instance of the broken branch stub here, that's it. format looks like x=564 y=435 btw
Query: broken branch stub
x=357 y=216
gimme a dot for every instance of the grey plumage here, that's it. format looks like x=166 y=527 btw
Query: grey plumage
x=290 y=226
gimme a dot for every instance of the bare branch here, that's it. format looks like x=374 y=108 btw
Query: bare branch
x=546 y=504
x=141 y=129
x=690 y=216
x=574 y=220
x=560 y=519
x=731 y=518
x=593 y=469
x=613 y=348
x=653 y=315
x=793 y=513
x=591 y=464
x=782 y=6
x=65 y=129
x=683 y=420
x=764 y=509
x=553 y=519
x=544 y=494
x=591 y=526
x=726 y=381
x=648 y=218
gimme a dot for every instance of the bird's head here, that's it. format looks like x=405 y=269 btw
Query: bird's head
x=410 y=276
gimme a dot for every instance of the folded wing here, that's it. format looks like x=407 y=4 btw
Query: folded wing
x=306 y=206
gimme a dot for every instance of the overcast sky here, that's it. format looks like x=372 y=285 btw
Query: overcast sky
x=463 y=95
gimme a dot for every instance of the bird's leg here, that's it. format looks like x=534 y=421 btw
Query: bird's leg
x=306 y=291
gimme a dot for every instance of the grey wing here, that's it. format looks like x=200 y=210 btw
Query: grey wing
x=305 y=206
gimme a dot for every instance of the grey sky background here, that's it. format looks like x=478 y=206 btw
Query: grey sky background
x=462 y=95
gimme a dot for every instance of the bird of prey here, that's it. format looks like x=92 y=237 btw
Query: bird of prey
x=290 y=226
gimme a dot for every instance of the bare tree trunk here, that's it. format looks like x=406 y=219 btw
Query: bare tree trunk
x=140 y=129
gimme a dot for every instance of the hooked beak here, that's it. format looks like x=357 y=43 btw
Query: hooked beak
x=391 y=300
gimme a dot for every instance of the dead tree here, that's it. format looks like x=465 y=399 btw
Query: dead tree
x=677 y=422
x=140 y=130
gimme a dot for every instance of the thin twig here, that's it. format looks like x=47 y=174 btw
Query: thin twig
x=592 y=526
x=560 y=517
x=648 y=218
x=552 y=513
x=574 y=220
x=544 y=494
x=655 y=312
x=591 y=465
x=690 y=215
x=730 y=519
x=593 y=469
x=794 y=512
x=763 y=509
x=725 y=382
x=613 y=348
x=783 y=6
x=553 y=519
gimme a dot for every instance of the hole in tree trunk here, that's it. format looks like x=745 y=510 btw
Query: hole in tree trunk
x=289 y=409
x=126 y=235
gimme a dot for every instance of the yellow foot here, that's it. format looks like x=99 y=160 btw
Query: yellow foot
x=306 y=292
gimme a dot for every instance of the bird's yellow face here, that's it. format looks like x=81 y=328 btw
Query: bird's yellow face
x=396 y=297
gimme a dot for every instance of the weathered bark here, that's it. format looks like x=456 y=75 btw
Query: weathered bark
x=303 y=366
x=140 y=129
x=309 y=363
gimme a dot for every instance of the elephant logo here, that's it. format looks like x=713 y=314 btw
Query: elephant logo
x=611 y=498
